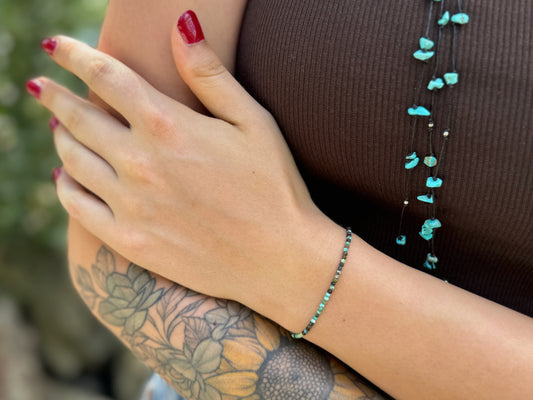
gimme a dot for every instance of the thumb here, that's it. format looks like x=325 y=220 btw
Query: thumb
x=206 y=75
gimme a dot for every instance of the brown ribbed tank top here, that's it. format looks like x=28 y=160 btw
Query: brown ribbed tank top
x=339 y=75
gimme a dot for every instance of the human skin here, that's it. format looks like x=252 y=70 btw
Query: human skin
x=253 y=348
x=397 y=326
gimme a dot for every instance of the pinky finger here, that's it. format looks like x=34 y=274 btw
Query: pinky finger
x=91 y=212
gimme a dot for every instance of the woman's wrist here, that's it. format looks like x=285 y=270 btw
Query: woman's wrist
x=294 y=289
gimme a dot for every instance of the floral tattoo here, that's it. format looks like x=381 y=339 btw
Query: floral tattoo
x=210 y=349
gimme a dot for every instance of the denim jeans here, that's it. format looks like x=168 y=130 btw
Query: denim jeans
x=157 y=389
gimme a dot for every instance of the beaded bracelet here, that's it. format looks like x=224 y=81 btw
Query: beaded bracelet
x=330 y=290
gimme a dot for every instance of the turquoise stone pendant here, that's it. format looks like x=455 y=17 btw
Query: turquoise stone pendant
x=433 y=182
x=423 y=55
x=418 y=111
x=401 y=240
x=451 y=78
x=436 y=84
x=411 y=164
x=426 y=236
x=443 y=21
x=426 y=198
x=426 y=44
x=412 y=160
x=430 y=161
x=431 y=260
x=460 y=18
x=426 y=230
x=433 y=223
x=429 y=266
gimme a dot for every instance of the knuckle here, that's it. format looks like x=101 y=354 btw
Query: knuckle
x=67 y=154
x=97 y=69
x=70 y=204
x=133 y=242
x=73 y=118
x=159 y=123
x=209 y=69
x=141 y=171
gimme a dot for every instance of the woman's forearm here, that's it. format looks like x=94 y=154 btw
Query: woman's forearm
x=204 y=347
x=416 y=336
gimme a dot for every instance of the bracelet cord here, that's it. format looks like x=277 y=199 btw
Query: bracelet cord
x=329 y=292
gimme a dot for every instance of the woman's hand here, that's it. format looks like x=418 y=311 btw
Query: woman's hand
x=214 y=203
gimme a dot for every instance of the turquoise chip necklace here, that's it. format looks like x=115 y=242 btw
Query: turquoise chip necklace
x=444 y=24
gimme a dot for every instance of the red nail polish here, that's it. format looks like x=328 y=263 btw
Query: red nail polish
x=34 y=88
x=49 y=45
x=57 y=173
x=189 y=28
x=54 y=122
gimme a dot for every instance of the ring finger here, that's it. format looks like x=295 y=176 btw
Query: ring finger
x=85 y=166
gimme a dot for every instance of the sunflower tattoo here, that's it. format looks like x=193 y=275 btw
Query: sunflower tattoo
x=207 y=349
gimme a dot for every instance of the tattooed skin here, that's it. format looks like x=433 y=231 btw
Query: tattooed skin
x=210 y=349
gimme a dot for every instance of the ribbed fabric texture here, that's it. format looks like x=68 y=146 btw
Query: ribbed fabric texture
x=338 y=76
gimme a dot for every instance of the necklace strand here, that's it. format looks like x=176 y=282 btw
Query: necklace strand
x=431 y=51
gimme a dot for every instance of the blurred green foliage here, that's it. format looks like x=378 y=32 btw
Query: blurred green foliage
x=33 y=273
x=32 y=224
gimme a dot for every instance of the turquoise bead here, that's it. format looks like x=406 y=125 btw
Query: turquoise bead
x=432 y=258
x=423 y=55
x=426 y=230
x=429 y=266
x=426 y=198
x=433 y=182
x=401 y=240
x=430 y=161
x=436 y=84
x=451 y=78
x=432 y=223
x=426 y=236
x=411 y=156
x=411 y=164
x=460 y=18
x=443 y=21
x=418 y=111
x=426 y=44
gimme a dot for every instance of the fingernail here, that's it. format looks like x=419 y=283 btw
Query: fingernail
x=57 y=173
x=49 y=45
x=34 y=88
x=54 y=122
x=189 y=28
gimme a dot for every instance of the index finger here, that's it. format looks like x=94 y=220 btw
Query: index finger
x=111 y=80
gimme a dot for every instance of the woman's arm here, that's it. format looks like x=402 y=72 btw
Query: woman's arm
x=418 y=337
x=204 y=347
x=198 y=344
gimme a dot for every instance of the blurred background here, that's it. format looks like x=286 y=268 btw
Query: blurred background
x=50 y=345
